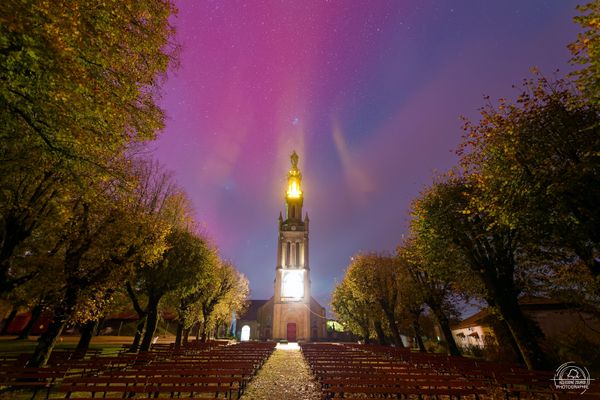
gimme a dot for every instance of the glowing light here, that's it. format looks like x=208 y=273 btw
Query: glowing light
x=294 y=179
x=293 y=191
x=293 y=284
x=245 y=336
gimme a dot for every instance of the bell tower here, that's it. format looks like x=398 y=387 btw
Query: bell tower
x=291 y=303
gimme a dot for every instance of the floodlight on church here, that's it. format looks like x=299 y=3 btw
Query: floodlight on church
x=293 y=284
x=294 y=191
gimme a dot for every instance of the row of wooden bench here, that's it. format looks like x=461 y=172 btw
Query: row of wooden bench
x=351 y=370
x=509 y=378
x=215 y=372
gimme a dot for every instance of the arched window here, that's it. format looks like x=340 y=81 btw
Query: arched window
x=288 y=250
x=245 y=336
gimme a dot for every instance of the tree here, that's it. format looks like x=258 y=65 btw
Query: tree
x=92 y=255
x=82 y=78
x=80 y=83
x=112 y=226
x=376 y=278
x=586 y=50
x=30 y=201
x=204 y=260
x=411 y=304
x=435 y=283
x=492 y=253
x=88 y=324
x=535 y=167
x=353 y=312
x=227 y=282
x=234 y=302
x=180 y=267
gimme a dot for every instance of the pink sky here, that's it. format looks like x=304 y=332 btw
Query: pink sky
x=369 y=94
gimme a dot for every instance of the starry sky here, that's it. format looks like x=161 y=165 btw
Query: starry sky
x=369 y=93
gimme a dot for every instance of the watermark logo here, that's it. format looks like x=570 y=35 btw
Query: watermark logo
x=570 y=376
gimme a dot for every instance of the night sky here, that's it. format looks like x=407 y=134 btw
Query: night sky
x=369 y=94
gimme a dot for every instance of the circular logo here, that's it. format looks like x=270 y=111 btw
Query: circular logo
x=570 y=376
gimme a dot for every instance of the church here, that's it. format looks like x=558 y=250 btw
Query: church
x=291 y=314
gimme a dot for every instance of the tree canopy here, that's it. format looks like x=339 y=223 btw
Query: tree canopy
x=80 y=89
x=80 y=80
x=534 y=164
x=586 y=50
x=79 y=84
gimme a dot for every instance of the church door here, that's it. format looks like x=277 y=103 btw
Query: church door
x=245 y=336
x=291 y=332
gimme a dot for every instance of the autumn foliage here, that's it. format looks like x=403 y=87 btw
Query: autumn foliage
x=81 y=213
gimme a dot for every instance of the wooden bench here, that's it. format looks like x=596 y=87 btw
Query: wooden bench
x=189 y=385
x=107 y=386
x=401 y=390
x=233 y=375
x=31 y=378
x=376 y=371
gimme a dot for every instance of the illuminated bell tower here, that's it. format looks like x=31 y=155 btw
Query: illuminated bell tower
x=291 y=307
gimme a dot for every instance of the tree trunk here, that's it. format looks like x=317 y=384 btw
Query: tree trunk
x=365 y=335
x=224 y=330
x=184 y=305
x=418 y=336
x=524 y=332
x=48 y=339
x=46 y=343
x=9 y=319
x=391 y=318
x=506 y=341
x=16 y=233
x=186 y=336
x=380 y=333
x=179 y=335
x=139 y=330
x=151 y=322
x=87 y=333
x=36 y=312
x=446 y=331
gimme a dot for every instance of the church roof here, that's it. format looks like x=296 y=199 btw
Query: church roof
x=527 y=303
x=252 y=311
x=480 y=318
x=314 y=302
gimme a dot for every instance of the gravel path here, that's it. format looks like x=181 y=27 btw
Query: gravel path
x=285 y=376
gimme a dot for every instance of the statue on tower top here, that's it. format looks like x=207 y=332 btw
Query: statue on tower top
x=294 y=190
x=294 y=172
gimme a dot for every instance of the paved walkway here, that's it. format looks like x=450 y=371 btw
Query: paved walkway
x=284 y=376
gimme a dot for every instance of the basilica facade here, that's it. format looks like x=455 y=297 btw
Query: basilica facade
x=292 y=313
